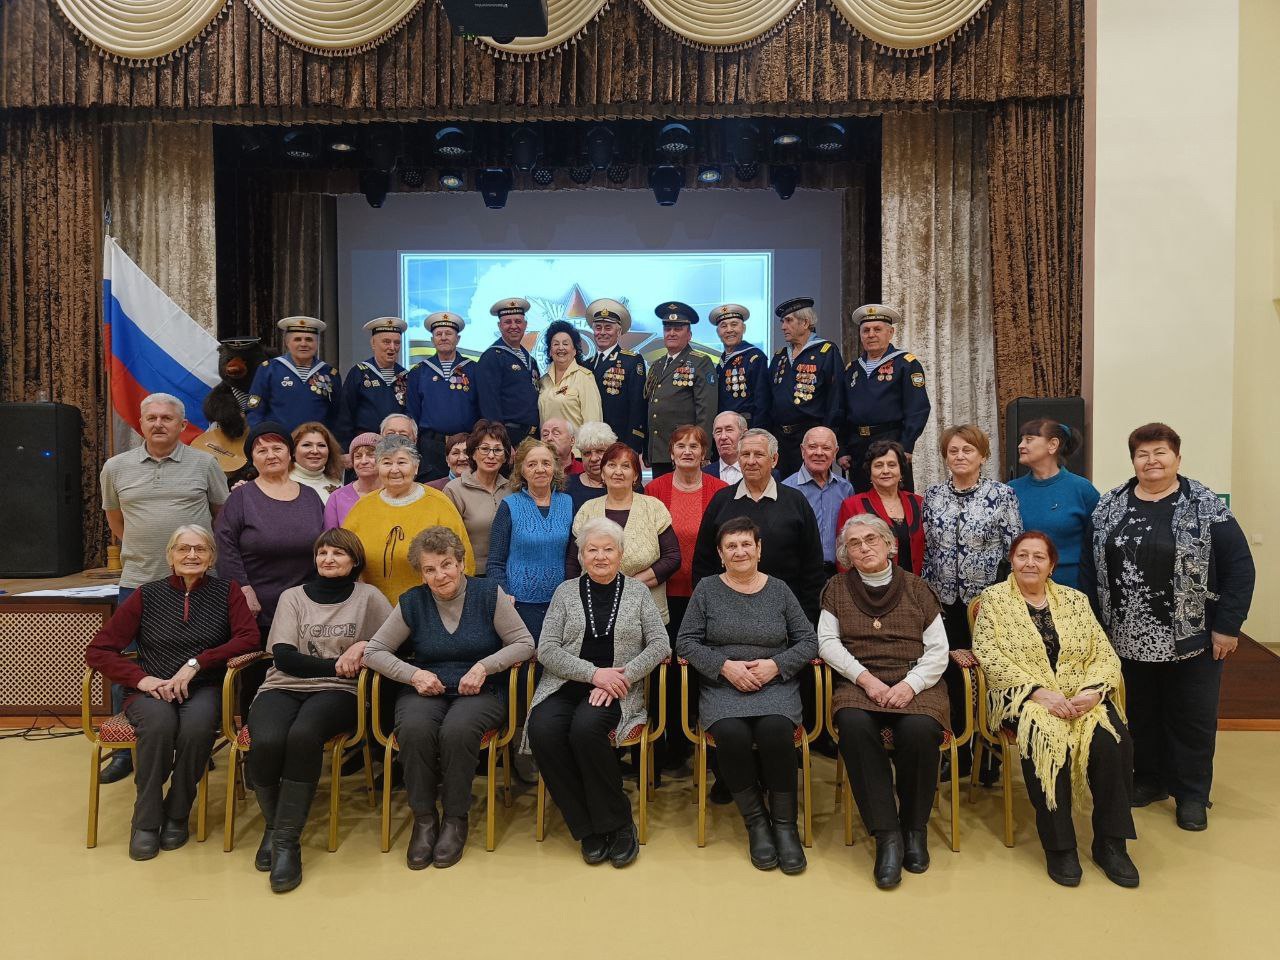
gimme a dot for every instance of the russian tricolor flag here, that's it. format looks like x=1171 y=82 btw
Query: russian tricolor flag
x=152 y=345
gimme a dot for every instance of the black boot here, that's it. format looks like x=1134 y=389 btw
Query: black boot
x=1110 y=854
x=452 y=842
x=144 y=844
x=268 y=797
x=422 y=842
x=915 y=859
x=624 y=846
x=175 y=832
x=1145 y=793
x=1064 y=867
x=889 y=854
x=1192 y=815
x=286 y=848
x=764 y=852
x=118 y=767
x=791 y=858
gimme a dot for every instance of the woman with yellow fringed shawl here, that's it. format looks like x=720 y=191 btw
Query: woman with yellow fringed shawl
x=1052 y=675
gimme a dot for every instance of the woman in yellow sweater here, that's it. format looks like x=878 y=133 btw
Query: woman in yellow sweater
x=387 y=521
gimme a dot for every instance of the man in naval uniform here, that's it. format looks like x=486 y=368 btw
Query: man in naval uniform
x=806 y=376
x=507 y=374
x=442 y=394
x=681 y=386
x=620 y=374
x=374 y=388
x=743 y=371
x=296 y=387
x=884 y=395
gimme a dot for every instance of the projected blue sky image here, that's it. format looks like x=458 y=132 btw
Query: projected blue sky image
x=559 y=286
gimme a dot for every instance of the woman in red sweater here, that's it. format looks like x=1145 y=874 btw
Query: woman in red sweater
x=685 y=493
x=902 y=510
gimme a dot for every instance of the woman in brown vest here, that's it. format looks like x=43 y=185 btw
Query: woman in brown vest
x=881 y=631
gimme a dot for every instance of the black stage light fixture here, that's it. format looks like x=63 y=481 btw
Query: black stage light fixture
x=451 y=180
x=785 y=134
x=494 y=183
x=374 y=184
x=743 y=141
x=746 y=172
x=544 y=176
x=618 y=173
x=451 y=142
x=525 y=148
x=342 y=142
x=504 y=21
x=674 y=140
x=250 y=140
x=665 y=181
x=600 y=146
x=383 y=147
x=300 y=144
x=709 y=173
x=413 y=177
x=581 y=173
x=829 y=137
x=783 y=179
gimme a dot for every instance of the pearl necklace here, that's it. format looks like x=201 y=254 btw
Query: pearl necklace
x=613 y=613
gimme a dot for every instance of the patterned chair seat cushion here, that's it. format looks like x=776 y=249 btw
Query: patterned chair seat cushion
x=244 y=741
x=117 y=729
x=489 y=736
x=797 y=737
x=245 y=659
x=633 y=735
x=886 y=735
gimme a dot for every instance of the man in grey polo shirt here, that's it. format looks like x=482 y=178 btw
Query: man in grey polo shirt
x=147 y=493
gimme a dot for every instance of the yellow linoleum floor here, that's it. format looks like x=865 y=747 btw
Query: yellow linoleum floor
x=1207 y=895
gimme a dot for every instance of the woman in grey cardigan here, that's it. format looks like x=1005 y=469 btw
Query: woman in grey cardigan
x=748 y=637
x=602 y=636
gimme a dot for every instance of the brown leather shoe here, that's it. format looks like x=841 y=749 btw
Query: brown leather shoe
x=422 y=842
x=453 y=839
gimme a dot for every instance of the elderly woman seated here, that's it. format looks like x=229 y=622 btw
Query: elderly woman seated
x=748 y=638
x=602 y=636
x=446 y=640
x=881 y=631
x=1052 y=675
x=186 y=627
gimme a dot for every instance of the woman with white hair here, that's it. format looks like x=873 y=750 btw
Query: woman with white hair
x=602 y=636
x=881 y=631
x=186 y=627
x=594 y=439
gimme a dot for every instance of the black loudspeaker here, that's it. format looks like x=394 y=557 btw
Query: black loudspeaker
x=40 y=518
x=1068 y=410
x=504 y=20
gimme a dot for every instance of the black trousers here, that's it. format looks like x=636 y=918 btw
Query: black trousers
x=431 y=447
x=955 y=617
x=674 y=747
x=570 y=740
x=1173 y=717
x=1110 y=783
x=174 y=744
x=439 y=744
x=789 y=458
x=916 y=743
x=661 y=469
x=289 y=728
x=774 y=739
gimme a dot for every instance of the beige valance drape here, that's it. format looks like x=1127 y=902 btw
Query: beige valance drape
x=722 y=24
x=135 y=30
x=334 y=26
x=902 y=25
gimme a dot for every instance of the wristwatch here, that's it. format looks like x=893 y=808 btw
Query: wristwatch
x=194 y=664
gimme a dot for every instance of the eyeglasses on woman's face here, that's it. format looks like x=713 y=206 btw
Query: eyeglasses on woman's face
x=197 y=549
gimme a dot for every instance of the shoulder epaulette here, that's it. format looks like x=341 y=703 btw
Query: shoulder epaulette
x=825 y=347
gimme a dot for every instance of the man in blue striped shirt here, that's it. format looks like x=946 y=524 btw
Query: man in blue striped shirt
x=824 y=490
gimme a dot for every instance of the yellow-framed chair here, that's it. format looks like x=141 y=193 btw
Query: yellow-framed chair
x=117 y=733
x=950 y=745
x=702 y=741
x=1003 y=740
x=494 y=741
x=336 y=748
x=642 y=735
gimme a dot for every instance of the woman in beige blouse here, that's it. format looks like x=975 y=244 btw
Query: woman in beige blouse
x=567 y=389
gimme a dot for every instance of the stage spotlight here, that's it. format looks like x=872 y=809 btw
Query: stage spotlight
x=374 y=184
x=451 y=142
x=709 y=173
x=494 y=184
x=525 y=148
x=413 y=177
x=581 y=173
x=250 y=140
x=829 y=138
x=743 y=141
x=783 y=180
x=785 y=134
x=544 y=176
x=675 y=140
x=618 y=173
x=383 y=147
x=746 y=171
x=300 y=144
x=341 y=142
x=600 y=142
x=451 y=180
x=666 y=181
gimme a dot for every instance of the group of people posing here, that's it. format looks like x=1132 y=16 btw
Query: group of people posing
x=549 y=548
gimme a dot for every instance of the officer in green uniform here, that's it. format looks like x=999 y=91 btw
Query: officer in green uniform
x=681 y=387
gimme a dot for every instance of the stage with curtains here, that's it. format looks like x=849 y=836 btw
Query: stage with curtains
x=980 y=173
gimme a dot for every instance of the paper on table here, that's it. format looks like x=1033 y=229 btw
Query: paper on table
x=94 y=592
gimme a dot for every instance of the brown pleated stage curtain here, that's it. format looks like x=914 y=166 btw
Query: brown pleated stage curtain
x=625 y=64
x=1036 y=178
x=51 y=340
